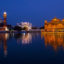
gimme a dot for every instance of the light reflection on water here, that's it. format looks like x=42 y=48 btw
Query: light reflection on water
x=23 y=38
x=38 y=44
x=3 y=40
x=53 y=39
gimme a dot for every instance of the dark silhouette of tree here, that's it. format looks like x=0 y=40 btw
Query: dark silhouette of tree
x=42 y=27
x=17 y=28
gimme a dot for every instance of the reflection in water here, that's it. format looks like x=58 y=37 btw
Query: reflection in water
x=25 y=38
x=54 y=39
x=3 y=40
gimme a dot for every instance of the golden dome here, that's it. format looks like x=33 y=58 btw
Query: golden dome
x=55 y=19
x=45 y=21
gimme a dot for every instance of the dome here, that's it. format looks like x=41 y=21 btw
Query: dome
x=55 y=19
x=45 y=21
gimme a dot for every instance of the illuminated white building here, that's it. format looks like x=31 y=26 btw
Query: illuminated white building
x=26 y=25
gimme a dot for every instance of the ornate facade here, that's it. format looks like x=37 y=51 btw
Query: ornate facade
x=54 y=25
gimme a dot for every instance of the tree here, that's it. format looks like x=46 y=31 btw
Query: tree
x=17 y=28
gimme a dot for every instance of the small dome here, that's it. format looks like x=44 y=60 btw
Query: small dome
x=45 y=21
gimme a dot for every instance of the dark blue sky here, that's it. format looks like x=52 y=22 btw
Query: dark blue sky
x=35 y=11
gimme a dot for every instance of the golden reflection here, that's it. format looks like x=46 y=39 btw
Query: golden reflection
x=3 y=40
x=54 y=39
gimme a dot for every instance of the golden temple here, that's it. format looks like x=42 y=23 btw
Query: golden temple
x=54 y=25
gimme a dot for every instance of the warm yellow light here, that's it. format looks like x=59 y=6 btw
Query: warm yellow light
x=54 y=19
x=5 y=13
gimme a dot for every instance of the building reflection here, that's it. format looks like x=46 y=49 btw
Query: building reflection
x=25 y=38
x=54 y=39
x=3 y=40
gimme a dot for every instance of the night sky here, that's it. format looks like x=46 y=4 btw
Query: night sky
x=34 y=11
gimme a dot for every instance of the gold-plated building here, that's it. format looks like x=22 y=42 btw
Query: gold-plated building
x=54 y=25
